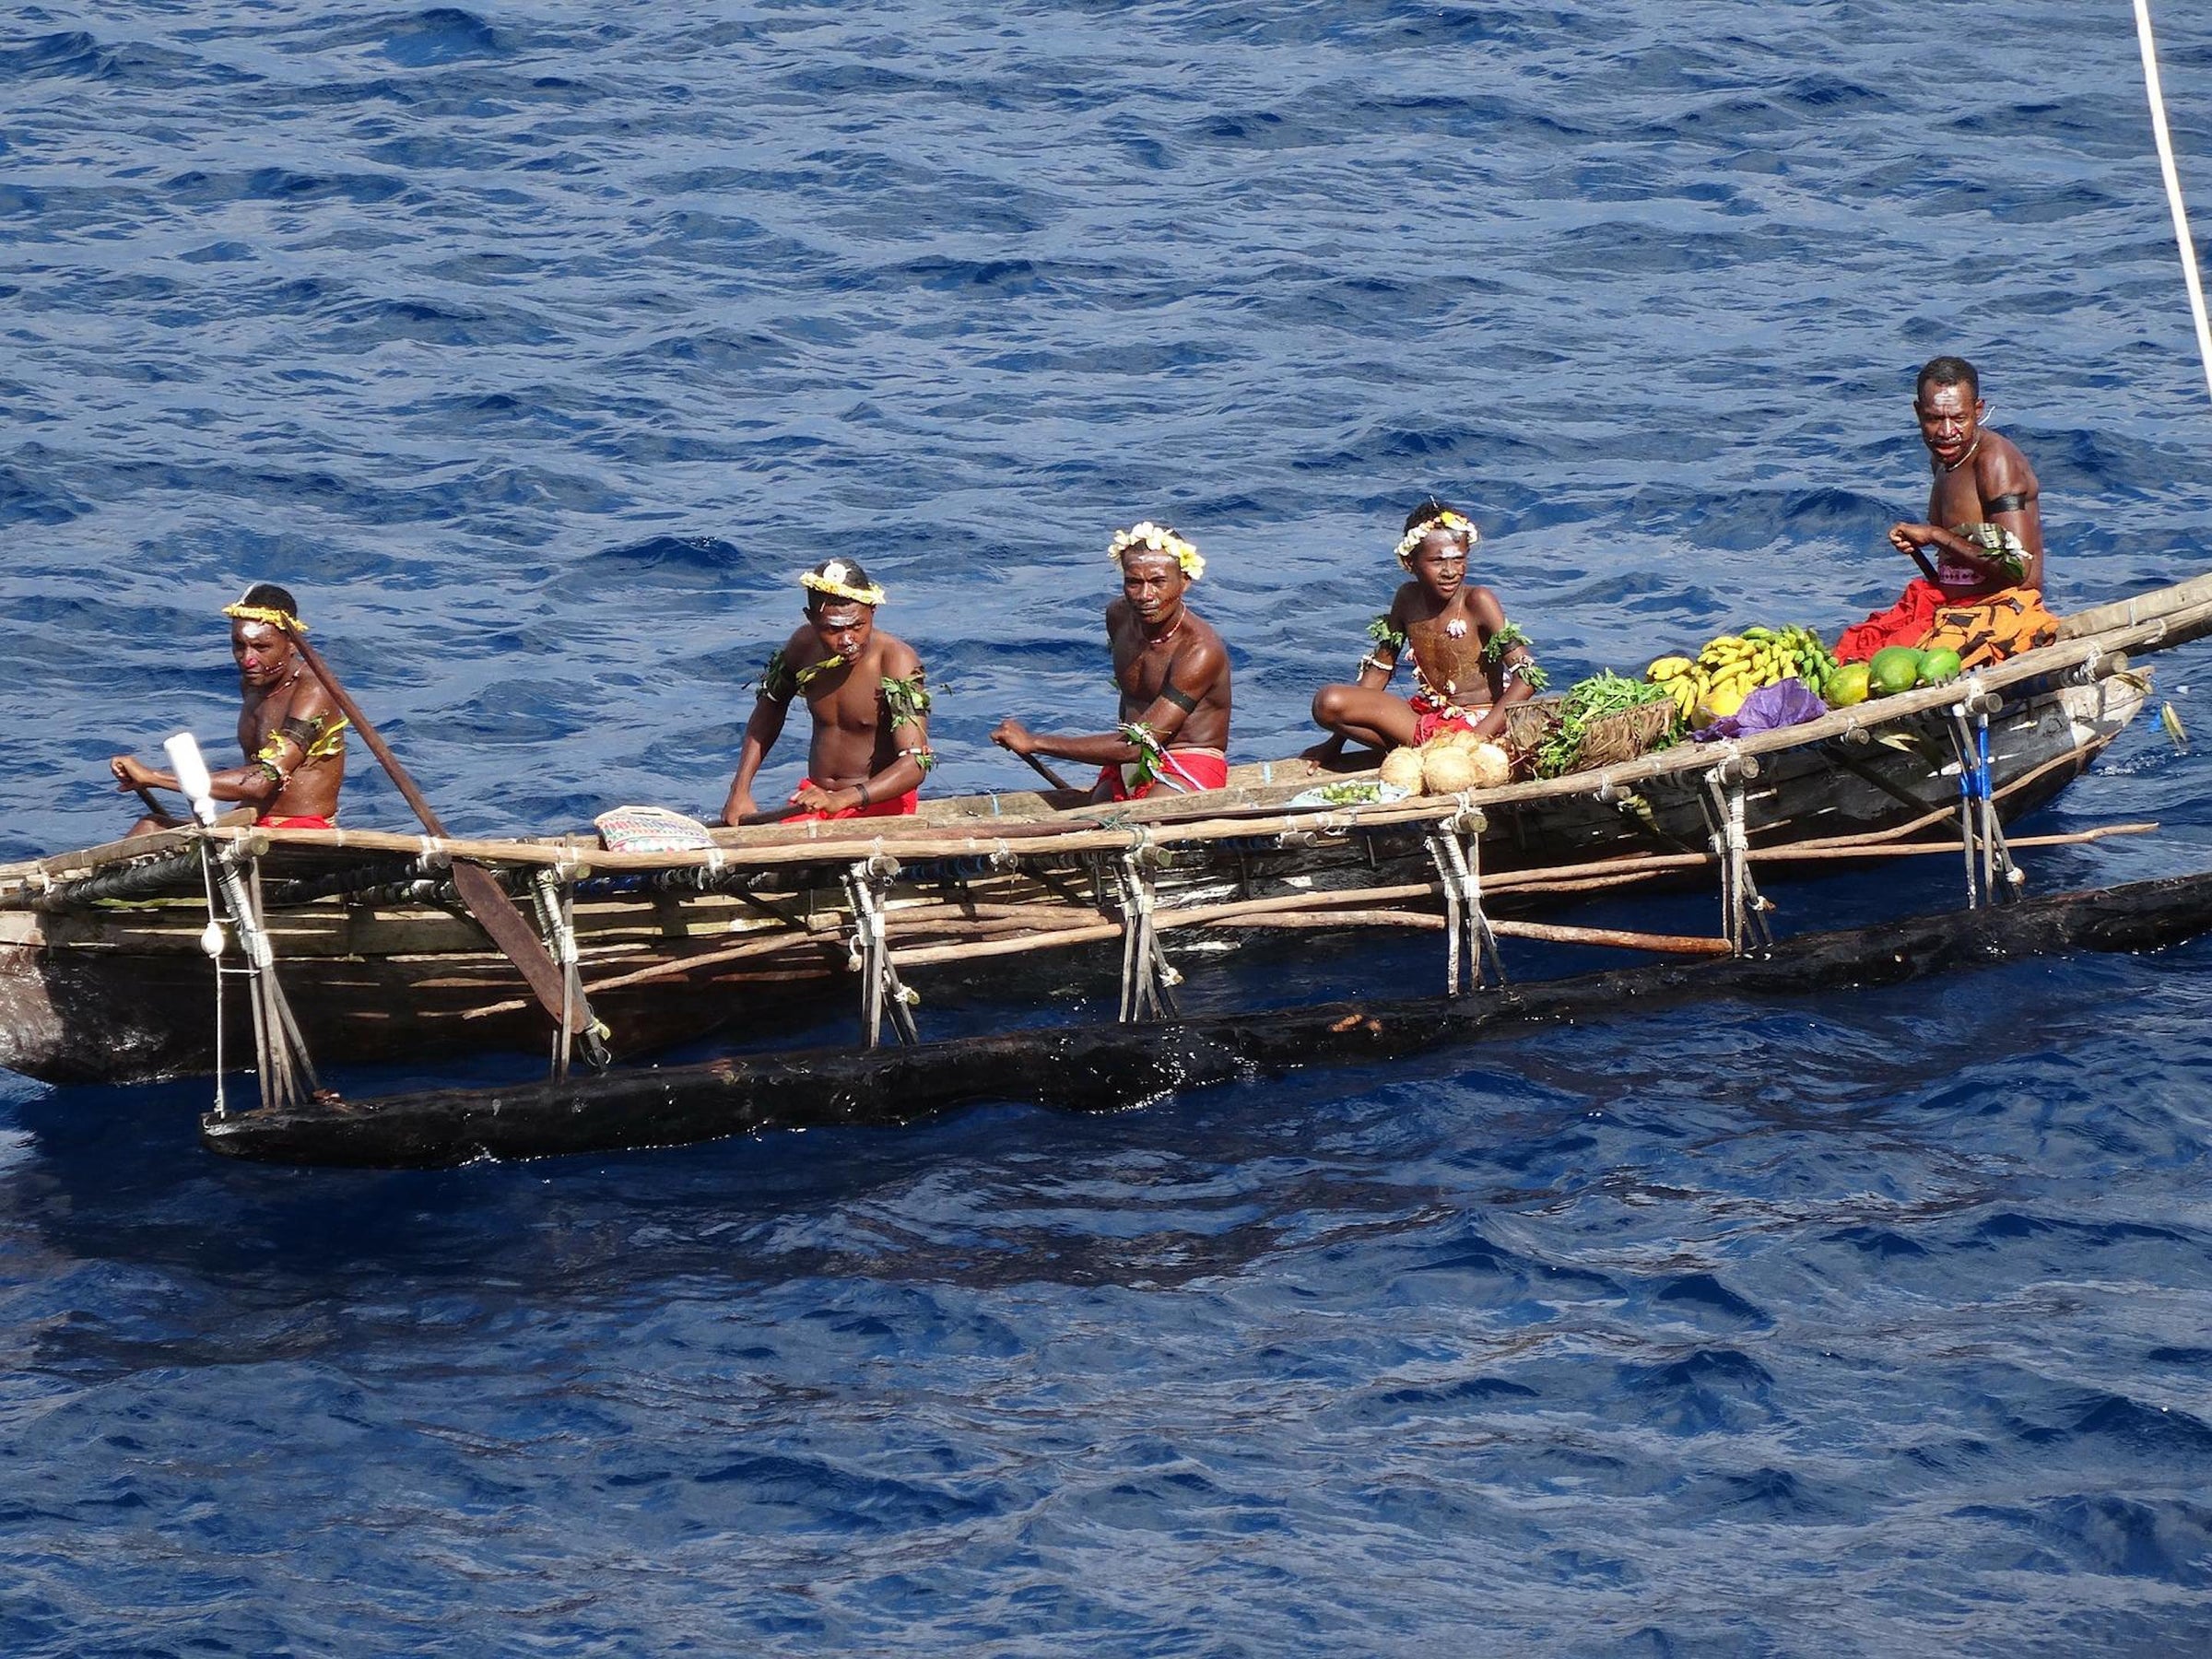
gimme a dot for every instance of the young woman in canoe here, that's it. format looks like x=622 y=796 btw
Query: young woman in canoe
x=1469 y=664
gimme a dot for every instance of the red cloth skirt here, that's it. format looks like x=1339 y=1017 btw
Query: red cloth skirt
x=904 y=805
x=294 y=823
x=1185 y=770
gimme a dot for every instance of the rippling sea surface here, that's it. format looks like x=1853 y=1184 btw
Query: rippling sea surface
x=539 y=348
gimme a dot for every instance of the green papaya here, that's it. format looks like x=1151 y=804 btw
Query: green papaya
x=1938 y=664
x=1893 y=670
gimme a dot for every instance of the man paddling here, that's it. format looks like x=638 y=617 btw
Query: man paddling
x=291 y=732
x=1173 y=674
x=868 y=693
x=1981 y=548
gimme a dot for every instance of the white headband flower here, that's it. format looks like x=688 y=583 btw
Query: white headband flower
x=1447 y=520
x=1156 y=538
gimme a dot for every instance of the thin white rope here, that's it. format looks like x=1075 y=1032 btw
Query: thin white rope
x=2173 y=187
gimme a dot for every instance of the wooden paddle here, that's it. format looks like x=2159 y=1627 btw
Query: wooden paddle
x=479 y=888
x=1047 y=774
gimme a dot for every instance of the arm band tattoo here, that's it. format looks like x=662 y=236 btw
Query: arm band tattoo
x=2015 y=502
x=302 y=732
x=1178 y=697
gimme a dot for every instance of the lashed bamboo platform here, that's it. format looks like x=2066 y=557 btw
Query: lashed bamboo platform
x=102 y=975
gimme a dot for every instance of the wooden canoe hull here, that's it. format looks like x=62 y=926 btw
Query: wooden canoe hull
x=123 y=993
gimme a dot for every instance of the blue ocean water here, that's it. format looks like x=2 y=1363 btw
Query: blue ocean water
x=541 y=347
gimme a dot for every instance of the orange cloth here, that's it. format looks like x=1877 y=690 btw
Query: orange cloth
x=903 y=806
x=1983 y=630
x=1901 y=624
x=1992 y=627
x=1200 y=769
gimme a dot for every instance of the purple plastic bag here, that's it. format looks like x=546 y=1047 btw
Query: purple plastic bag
x=1785 y=703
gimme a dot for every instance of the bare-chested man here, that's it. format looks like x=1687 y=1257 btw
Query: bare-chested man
x=1980 y=479
x=1469 y=664
x=1984 y=536
x=292 y=735
x=1173 y=674
x=868 y=693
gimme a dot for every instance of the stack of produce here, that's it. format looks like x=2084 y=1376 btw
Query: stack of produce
x=1898 y=668
x=1602 y=720
x=1713 y=685
x=1452 y=760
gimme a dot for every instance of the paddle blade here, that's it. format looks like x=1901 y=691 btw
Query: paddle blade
x=191 y=766
x=495 y=913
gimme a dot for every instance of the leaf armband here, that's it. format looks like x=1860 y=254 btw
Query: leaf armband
x=1504 y=639
x=778 y=684
x=1389 y=645
x=1510 y=641
x=906 y=700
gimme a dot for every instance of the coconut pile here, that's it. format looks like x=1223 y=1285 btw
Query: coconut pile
x=1452 y=761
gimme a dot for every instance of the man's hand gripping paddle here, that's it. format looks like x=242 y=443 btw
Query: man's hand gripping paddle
x=479 y=891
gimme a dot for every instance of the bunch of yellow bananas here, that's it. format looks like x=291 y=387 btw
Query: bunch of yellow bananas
x=1713 y=684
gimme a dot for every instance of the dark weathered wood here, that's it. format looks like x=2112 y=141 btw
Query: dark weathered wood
x=1094 y=1067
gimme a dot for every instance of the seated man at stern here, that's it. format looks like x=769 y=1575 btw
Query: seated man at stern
x=1984 y=528
x=1172 y=673
x=291 y=732
x=866 y=691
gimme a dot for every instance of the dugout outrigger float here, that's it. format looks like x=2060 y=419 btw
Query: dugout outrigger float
x=231 y=947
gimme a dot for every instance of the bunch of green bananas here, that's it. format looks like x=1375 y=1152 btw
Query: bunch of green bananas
x=1731 y=666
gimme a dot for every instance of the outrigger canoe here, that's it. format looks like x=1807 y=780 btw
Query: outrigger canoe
x=357 y=951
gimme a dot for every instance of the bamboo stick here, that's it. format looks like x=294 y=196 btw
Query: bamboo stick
x=2073 y=837
x=1343 y=918
x=1558 y=933
x=1548 y=932
x=923 y=956
x=1203 y=915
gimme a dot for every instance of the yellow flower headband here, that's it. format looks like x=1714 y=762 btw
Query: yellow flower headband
x=242 y=612
x=1157 y=539
x=834 y=580
x=1410 y=543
